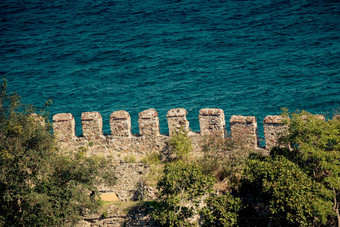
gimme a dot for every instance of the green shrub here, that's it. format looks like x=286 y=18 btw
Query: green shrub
x=221 y=210
x=298 y=184
x=285 y=189
x=181 y=189
x=179 y=145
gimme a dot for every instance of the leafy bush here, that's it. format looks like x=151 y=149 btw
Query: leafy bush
x=181 y=190
x=221 y=210
x=180 y=145
x=291 y=196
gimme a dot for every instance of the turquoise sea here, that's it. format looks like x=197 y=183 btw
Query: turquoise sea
x=248 y=57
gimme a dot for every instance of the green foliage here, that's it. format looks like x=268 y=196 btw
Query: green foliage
x=316 y=145
x=105 y=214
x=91 y=144
x=300 y=181
x=39 y=185
x=290 y=194
x=181 y=189
x=180 y=176
x=180 y=145
x=221 y=210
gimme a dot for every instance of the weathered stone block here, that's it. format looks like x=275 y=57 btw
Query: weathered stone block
x=92 y=124
x=148 y=123
x=64 y=127
x=212 y=121
x=120 y=123
x=244 y=130
x=273 y=128
x=177 y=119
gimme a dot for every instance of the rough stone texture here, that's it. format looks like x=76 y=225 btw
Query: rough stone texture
x=244 y=130
x=273 y=119
x=92 y=124
x=137 y=216
x=177 y=119
x=273 y=129
x=130 y=181
x=212 y=121
x=122 y=147
x=148 y=123
x=120 y=123
x=64 y=127
x=140 y=216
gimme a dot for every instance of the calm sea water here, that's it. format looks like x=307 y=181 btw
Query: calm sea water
x=248 y=57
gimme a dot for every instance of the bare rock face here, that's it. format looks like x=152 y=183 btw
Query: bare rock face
x=120 y=123
x=176 y=120
x=148 y=123
x=212 y=121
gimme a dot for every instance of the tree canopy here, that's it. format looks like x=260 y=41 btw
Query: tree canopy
x=39 y=184
x=299 y=183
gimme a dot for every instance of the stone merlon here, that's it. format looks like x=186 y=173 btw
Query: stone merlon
x=92 y=125
x=120 y=123
x=177 y=120
x=212 y=122
x=148 y=123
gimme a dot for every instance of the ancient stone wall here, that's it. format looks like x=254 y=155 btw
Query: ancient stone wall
x=129 y=150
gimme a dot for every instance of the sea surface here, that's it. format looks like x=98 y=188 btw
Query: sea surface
x=249 y=57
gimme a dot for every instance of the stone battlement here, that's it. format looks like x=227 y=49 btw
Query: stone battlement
x=128 y=151
x=211 y=121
